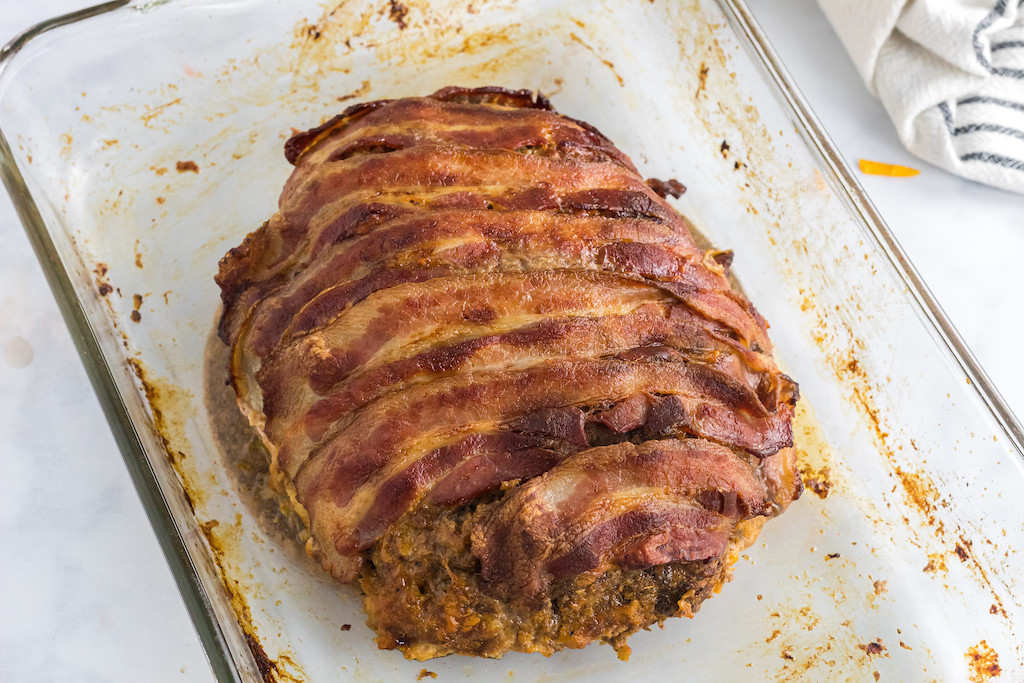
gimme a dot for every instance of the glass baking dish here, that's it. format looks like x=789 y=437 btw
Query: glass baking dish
x=141 y=140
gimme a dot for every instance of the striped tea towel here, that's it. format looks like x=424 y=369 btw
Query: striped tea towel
x=951 y=75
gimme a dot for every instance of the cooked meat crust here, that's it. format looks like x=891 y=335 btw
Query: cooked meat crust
x=498 y=380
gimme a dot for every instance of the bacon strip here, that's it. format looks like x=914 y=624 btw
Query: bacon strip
x=623 y=505
x=467 y=240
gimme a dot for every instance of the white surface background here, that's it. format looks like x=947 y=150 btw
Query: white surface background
x=85 y=593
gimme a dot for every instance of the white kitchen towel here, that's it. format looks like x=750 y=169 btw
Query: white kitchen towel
x=951 y=75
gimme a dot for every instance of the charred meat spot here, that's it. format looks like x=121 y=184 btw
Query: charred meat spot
x=365 y=147
x=728 y=503
x=102 y=285
x=723 y=258
x=666 y=188
x=397 y=12
x=873 y=648
x=136 y=314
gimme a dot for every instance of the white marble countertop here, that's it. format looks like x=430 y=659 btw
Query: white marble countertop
x=85 y=593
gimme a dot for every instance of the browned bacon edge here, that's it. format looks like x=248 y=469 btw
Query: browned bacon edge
x=621 y=505
x=303 y=142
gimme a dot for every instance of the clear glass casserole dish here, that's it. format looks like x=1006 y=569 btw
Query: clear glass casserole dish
x=141 y=140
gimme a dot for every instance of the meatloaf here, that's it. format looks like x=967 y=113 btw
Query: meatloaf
x=498 y=380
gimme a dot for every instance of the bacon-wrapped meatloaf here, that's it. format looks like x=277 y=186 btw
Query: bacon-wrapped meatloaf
x=498 y=380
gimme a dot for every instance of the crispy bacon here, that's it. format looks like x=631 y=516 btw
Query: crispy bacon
x=464 y=240
x=468 y=293
x=624 y=505
x=340 y=479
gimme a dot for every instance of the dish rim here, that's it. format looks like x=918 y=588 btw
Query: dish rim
x=125 y=431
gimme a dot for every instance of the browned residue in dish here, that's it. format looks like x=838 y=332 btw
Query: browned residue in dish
x=425 y=673
x=245 y=459
x=873 y=648
x=136 y=315
x=154 y=112
x=397 y=12
x=982 y=663
x=186 y=166
x=575 y=38
x=66 y=142
x=358 y=92
x=102 y=283
x=922 y=493
x=170 y=407
x=816 y=481
x=961 y=552
x=919 y=490
x=964 y=551
x=810 y=651
x=936 y=563
x=702 y=79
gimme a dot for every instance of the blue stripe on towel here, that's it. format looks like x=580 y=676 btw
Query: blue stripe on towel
x=998 y=11
x=947 y=115
x=998 y=159
x=1006 y=44
x=988 y=128
x=984 y=99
